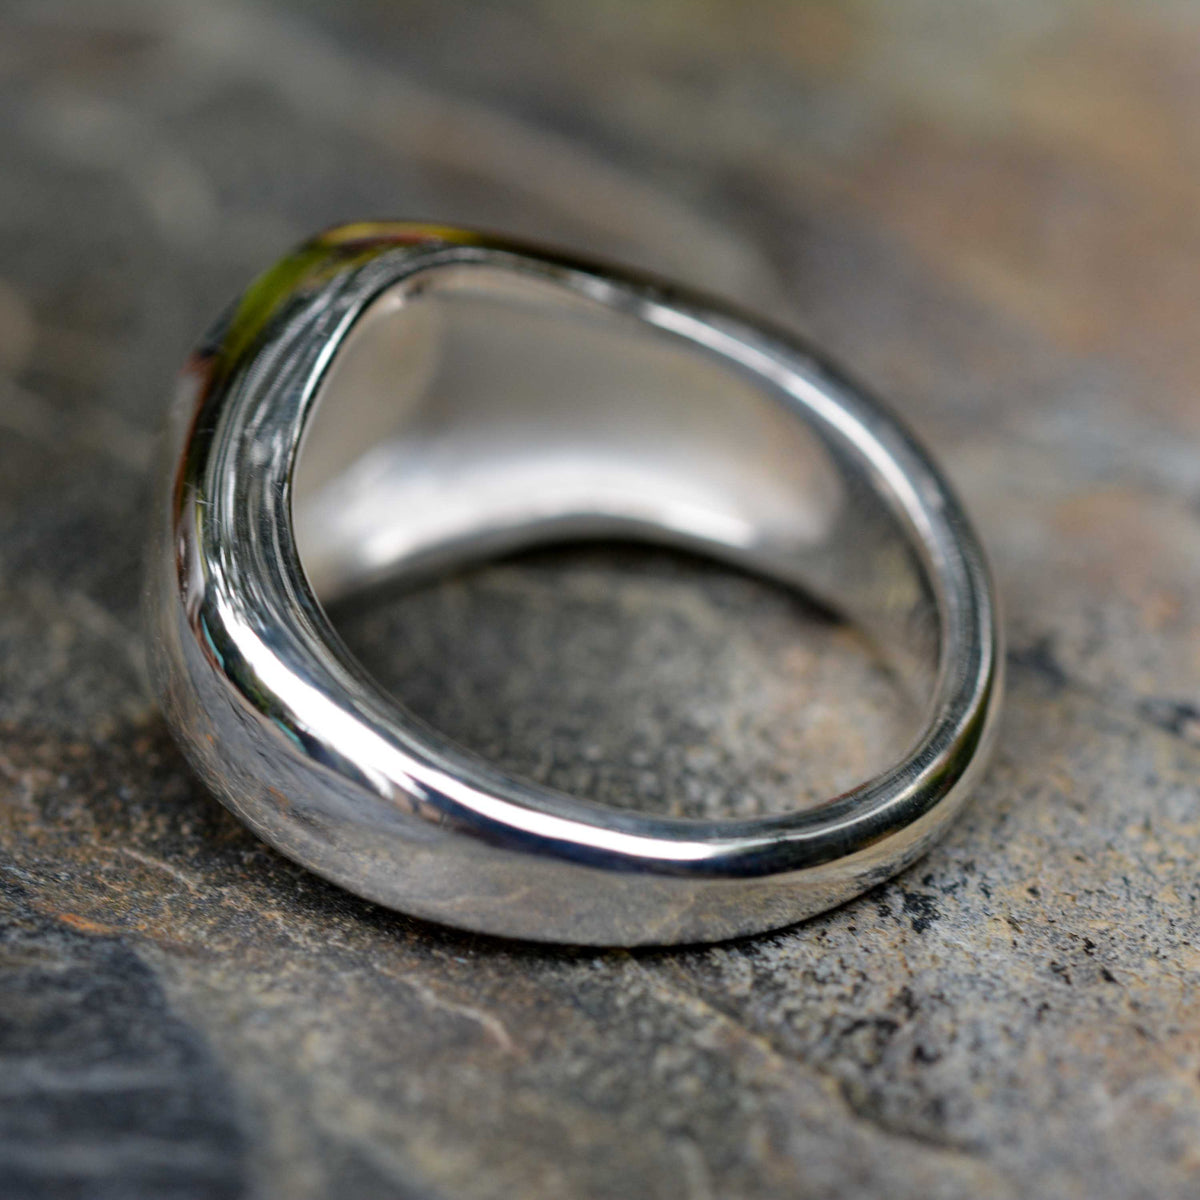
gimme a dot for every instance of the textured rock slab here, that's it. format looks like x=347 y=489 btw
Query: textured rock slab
x=990 y=212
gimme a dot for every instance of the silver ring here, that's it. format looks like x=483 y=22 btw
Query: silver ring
x=457 y=395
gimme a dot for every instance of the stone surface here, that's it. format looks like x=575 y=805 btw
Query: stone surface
x=989 y=210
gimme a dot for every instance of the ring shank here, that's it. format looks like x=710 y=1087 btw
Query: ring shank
x=456 y=395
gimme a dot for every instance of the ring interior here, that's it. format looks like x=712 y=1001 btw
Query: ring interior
x=474 y=410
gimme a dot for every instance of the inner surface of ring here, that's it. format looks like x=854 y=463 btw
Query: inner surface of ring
x=474 y=410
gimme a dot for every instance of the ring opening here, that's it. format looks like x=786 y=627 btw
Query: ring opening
x=474 y=411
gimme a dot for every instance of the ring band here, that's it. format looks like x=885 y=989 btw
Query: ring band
x=456 y=395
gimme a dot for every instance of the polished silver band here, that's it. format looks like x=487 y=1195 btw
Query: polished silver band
x=456 y=395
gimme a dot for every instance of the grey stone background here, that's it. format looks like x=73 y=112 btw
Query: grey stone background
x=988 y=209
